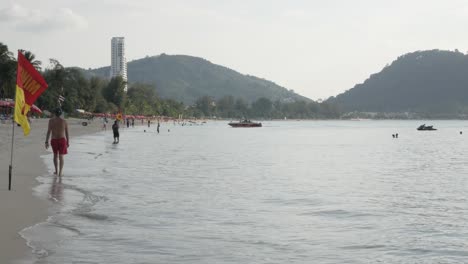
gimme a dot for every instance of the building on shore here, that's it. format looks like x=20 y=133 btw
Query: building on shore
x=118 y=59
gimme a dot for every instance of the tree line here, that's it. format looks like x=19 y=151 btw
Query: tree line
x=263 y=108
x=100 y=95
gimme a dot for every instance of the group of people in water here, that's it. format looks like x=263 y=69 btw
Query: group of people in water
x=115 y=128
x=57 y=132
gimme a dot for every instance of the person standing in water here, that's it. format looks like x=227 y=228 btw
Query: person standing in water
x=157 y=128
x=60 y=141
x=115 y=130
x=104 y=123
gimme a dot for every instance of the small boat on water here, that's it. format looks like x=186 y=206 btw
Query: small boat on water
x=423 y=127
x=245 y=123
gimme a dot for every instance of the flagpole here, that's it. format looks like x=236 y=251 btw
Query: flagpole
x=29 y=85
x=10 y=168
x=11 y=157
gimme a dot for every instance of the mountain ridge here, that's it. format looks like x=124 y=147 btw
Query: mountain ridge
x=186 y=78
x=431 y=82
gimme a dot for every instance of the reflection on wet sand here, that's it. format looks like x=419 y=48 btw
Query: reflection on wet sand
x=56 y=189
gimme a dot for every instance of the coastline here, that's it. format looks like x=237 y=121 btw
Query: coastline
x=20 y=207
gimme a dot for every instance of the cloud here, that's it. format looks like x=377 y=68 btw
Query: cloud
x=12 y=13
x=34 y=20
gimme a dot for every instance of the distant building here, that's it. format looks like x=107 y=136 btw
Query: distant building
x=118 y=60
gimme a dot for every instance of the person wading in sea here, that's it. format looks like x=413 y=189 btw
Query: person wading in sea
x=60 y=141
x=115 y=130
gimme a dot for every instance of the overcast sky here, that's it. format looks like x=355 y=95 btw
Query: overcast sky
x=317 y=48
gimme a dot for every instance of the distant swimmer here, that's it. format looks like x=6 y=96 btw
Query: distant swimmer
x=461 y=132
x=115 y=130
x=104 y=123
x=60 y=140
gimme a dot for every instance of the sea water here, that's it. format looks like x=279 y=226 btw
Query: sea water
x=288 y=192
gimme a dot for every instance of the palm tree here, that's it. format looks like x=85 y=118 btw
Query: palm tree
x=5 y=54
x=7 y=71
x=31 y=58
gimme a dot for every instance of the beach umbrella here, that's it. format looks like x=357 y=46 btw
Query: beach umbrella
x=36 y=109
x=8 y=103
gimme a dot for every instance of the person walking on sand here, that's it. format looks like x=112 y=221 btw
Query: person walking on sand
x=115 y=129
x=60 y=140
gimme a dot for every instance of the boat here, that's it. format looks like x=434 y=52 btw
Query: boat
x=245 y=123
x=423 y=127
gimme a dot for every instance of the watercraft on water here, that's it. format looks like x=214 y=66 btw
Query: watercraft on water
x=423 y=127
x=245 y=123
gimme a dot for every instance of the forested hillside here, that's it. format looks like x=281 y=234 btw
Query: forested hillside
x=186 y=79
x=434 y=83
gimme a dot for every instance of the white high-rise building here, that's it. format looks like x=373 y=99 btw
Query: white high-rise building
x=118 y=60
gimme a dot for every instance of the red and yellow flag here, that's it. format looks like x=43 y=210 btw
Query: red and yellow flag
x=29 y=85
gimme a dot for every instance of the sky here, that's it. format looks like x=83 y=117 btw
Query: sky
x=316 y=48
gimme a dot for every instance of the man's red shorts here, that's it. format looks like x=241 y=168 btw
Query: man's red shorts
x=59 y=145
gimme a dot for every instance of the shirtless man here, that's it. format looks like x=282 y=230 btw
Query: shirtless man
x=60 y=140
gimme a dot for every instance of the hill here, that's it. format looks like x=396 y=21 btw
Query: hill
x=185 y=78
x=434 y=83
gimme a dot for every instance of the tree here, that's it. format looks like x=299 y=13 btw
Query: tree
x=7 y=72
x=172 y=108
x=55 y=77
x=141 y=99
x=241 y=108
x=262 y=107
x=226 y=106
x=32 y=59
x=78 y=92
x=114 y=91
x=100 y=104
x=206 y=105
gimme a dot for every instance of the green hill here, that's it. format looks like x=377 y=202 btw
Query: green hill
x=186 y=78
x=434 y=83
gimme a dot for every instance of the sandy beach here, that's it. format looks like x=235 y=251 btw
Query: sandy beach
x=19 y=207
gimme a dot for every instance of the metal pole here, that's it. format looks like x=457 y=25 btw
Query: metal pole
x=10 y=169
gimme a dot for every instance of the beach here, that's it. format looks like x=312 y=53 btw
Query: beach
x=20 y=207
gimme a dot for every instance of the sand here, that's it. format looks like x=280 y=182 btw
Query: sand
x=20 y=208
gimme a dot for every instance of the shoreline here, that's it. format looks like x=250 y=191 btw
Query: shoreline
x=20 y=207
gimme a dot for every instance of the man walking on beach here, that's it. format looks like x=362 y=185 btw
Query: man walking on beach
x=60 y=142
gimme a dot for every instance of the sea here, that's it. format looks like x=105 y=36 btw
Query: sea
x=288 y=192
